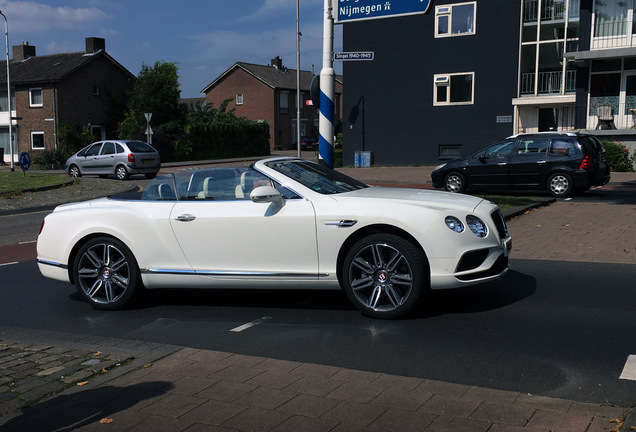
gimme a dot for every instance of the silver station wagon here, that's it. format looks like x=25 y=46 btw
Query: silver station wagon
x=121 y=158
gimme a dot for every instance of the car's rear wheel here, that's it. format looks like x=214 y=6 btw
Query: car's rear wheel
x=454 y=182
x=121 y=172
x=384 y=275
x=74 y=171
x=106 y=273
x=560 y=185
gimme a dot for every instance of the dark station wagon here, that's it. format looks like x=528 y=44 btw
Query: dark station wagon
x=560 y=163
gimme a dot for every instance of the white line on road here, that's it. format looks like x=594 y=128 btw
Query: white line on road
x=7 y=264
x=629 y=371
x=27 y=242
x=250 y=324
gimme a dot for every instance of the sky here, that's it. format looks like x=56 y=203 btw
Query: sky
x=203 y=38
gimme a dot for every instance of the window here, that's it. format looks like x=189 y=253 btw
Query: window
x=454 y=89
x=284 y=102
x=239 y=99
x=455 y=20
x=37 y=140
x=561 y=148
x=3 y=101
x=35 y=97
x=108 y=148
x=536 y=147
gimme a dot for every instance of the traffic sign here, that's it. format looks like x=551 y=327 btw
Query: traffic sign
x=25 y=161
x=360 y=55
x=356 y=10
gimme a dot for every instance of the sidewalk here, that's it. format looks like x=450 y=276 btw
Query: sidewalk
x=136 y=386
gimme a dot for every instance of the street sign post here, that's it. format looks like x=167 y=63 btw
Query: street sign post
x=356 y=10
x=353 y=56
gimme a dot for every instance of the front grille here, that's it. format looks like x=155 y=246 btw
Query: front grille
x=472 y=260
x=500 y=265
x=500 y=223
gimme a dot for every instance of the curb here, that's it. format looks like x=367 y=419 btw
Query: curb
x=630 y=421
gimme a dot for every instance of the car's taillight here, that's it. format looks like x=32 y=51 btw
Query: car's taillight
x=131 y=158
x=586 y=163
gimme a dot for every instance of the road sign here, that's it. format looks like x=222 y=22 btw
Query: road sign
x=356 y=10
x=347 y=56
x=25 y=161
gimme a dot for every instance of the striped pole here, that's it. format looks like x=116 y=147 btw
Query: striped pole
x=327 y=91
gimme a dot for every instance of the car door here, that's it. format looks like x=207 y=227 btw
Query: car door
x=528 y=164
x=232 y=236
x=105 y=161
x=88 y=164
x=488 y=168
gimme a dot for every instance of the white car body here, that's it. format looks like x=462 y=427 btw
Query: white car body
x=273 y=242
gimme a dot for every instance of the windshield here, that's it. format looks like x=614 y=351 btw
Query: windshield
x=316 y=177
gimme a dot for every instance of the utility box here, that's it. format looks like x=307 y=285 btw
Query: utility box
x=363 y=159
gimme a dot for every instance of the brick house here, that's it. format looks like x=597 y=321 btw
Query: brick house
x=268 y=93
x=79 y=89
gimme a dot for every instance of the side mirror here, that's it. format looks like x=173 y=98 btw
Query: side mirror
x=267 y=194
x=483 y=159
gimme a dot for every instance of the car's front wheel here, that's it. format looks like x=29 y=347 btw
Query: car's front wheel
x=454 y=182
x=560 y=185
x=385 y=275
x=106 y=273
x=121 y=172
x=74 y=171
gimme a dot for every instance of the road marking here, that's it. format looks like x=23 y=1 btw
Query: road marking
x=27 y=242
x=250 y=324
x=7 y=264
x=629 y=371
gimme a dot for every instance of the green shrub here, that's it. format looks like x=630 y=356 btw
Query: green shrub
x=618 y=156
x=51 y=159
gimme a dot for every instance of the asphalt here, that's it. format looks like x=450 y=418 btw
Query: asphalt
x=51 y=381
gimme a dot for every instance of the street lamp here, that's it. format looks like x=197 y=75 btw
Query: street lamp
x=6 y=35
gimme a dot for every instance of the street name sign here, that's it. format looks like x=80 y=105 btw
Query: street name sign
x=357 y=10
x=355 y=56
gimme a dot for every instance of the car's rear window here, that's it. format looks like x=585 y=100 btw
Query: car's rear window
x=591 y=145
x=139 y=147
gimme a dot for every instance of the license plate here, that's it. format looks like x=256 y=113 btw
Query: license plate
x=601 y=165
x=147 y=161
x=507 y=246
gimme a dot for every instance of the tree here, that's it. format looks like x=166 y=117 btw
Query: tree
x=156 y=91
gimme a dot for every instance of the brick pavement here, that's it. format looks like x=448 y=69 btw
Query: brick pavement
x=177 y=389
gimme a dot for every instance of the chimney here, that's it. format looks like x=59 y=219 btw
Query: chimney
x=277 y=63
x=23 y=52
x=95 y=44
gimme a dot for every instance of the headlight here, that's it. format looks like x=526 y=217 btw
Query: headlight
x=477 y=226
x=439 y=167
x=454 y=224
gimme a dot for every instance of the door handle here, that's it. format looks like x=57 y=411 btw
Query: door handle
x=541 y=162
x=186 y=218
x=502 y=163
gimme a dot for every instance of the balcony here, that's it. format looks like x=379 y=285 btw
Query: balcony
x=548 y=83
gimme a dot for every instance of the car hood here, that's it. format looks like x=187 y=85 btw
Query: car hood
x=424 y=197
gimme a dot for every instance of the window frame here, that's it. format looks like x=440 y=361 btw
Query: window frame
x=239 y=99
x=283 y=108
x=31 y=92
x=445 y=80
x=447 y=11
x=37 y=133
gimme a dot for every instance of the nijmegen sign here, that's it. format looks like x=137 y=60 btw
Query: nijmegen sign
x=356 y=10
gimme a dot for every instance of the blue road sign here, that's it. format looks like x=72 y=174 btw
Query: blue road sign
x=356 y=10
x=25 y=161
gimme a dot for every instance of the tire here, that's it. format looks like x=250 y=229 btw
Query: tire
x=74 y=171
x=385 y=276
x=560 y=185
x=106 y=273
x=454 y=182
x=150 y=176
x=121 y=172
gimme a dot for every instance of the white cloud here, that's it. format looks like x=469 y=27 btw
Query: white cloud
x=32 y=17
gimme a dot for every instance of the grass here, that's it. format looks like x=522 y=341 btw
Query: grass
x=509 y=201
x=13 y=183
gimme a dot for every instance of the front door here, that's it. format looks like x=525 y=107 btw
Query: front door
x=489 y=167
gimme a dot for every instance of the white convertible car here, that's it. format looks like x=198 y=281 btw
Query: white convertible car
x=281 y=223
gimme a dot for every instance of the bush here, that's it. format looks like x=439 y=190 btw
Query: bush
x=618 y=156
x=51 y=159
